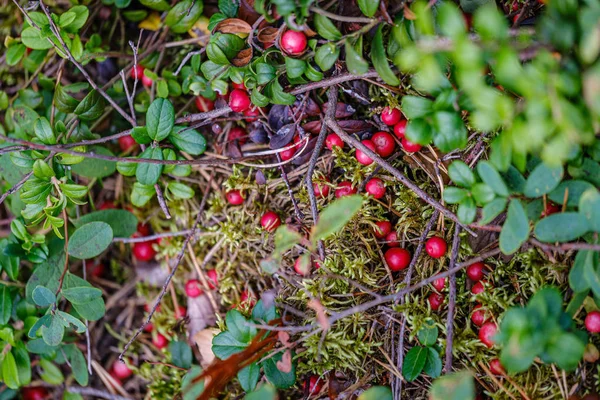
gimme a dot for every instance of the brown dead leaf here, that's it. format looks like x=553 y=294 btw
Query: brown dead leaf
x=200 y=313
x=285 y=364
x=267 y=35
x=203 y=339
x=316 y=305
x=235 y=26
x=243 y=58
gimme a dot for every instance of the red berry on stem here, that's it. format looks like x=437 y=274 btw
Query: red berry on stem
x=315 y=384
x=436 y=247
x=293 y=42
x=383 y=228
x=143 y=251
x=34 y=393
x=362 y=157
x=400 y=129
x=234 y=197
x=479 y=316
x=146 y=81
x=287 y=154
x=390 y=116
x=475 y=272
x=137 y=72
x=203 y=104
x=392 y=239
x=238 y=133
x=239 y=100
x=344 y=189
x=409 y=146
x=384 y=144
x=397 y=258
x=375 y=187
x=121 y=370
x=299 y=268
x=439 y=284
x=592 y=322
x=321 y=189
x=435 y=301
x=180 y=312
x=212 y=277
x=487 y=332
x=496 y=367
x=270 y=221
x=333 y=140
x=478 y=287
x=192 y=288
x=160 y=341
x=126 y=142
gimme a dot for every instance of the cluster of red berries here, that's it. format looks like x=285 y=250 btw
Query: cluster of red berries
x=193 y=287
x=393 y=117
x=137 y=72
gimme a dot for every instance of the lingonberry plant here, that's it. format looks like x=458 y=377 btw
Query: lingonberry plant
x=300 y=199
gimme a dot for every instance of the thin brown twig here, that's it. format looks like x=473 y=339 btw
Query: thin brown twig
x=333 y=81
x=451 y=301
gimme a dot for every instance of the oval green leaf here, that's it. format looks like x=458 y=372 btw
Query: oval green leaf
x=90 y=240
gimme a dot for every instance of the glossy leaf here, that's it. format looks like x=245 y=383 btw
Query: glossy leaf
x=543 y=179
x=379 y=59
x=492 y=178
x=160 y=119
x=561 y=227
x=414 y=361
x=368 y=7
x=515 y=230
x=90 y=240
x=589 y=207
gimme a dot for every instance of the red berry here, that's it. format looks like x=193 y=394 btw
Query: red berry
x=384 y=144
x=439 y=284
x=479 y=287
x=180 y=312
x=409 y=146
x=143 y=229
x=383 y=228
x=287 y=154
x=390 y=116
x=143 y=251
x=34 y=393
x=362 y=157
x=270 y=221
x=126 y=142
x=203 y=104
x=247 y=298
x=121 y=370
x=107 y=205
x=345 y=188
x=592 y=322
x=293 y=42
x=392 y=239
x=238 y=133
x=239 y=100
x=333 y=140
x=137 y=72
x=400 y=129
x=146 y=81
x=487 y=332
x=251 y=114
x=315 y=384
x=149 y=327
x=375 y=187
x=192 y=288
x=299 y=268
x=550 y=209
x=475 y=272
x=479 y=316
x=212 y=278
x=160 y=341
x=95 y=269
x=436 y=247
x=397 y=258
x=496 y=367
x=234 y=197
x=435 y=301
x=238 y=85
x=321 y=189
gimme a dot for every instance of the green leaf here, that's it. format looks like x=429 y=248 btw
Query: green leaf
x=5 y=305
x=95 y=168
x=326 y=56
x=515 y=230
x=450 y=131
x=482 y=193
x=419 y=131
x=228 y=7
x=32 y=38
x=491 y=210
x=277 y=95
x=69 y=321
x=589 y=207
x=379 y=59
x=90 y=240
x=433 y=365
x=23 y=363
x=574 y=190
x=95 y=309
x=454 y=195
x=456 y=386
x=368 y=7
x=561 y=227
x=44 y=131
x=248 y=377
x=14 y=54
x=262 y=314
x=376 y=393
x=592 y=275
x=181 y=354
x=188 y=140
x=122 y=222
x=10 y=373
x=160 y=119
x=43 y=297
x=140 y=135
x=51 y=373
x=543 y=179
x=78 y=364
x=81 y=295
x=265 y=73
x=285 y=239
x=355 y=63
x=281 y=380
x=191 y=388
x=265 y=392
x=224 y=345
x=91 y=107
x=148 y=174
x=294 y=67
x=416 y=107
x=159 y=5
x=79 y=19
x=141 y=194
x=180 y=190
x=566 y=350
x=184 y=15
x=428 y=333
x=325 y=28
x=414 y=361
x=53 y=333
x=63 y=101
x=335 y=216
x=223 y=47
x=461 y=174
x=237 y=325
x=577 y=275
x=490 y=176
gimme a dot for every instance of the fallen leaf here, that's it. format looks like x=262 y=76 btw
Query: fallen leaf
x=200 y=314
x=203 y=340
x=285 y=364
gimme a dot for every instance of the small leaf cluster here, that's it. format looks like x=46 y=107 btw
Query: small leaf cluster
x=424 y=358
